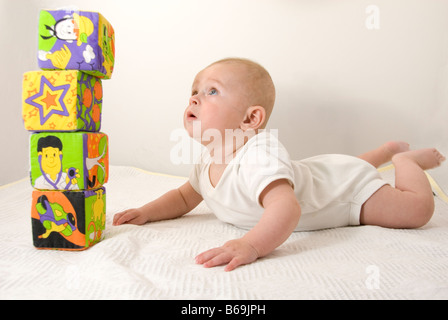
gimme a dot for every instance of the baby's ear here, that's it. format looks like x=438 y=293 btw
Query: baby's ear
x=254 y=119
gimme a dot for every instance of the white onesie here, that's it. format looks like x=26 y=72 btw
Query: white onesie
x=330 y=188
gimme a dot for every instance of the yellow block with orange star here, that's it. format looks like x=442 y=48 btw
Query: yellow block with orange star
x=65 y=100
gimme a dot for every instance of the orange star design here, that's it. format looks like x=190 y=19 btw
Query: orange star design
x=69 y=77
x=33 y=113
x=50 y=100
x=52 y=80
x=32 y=92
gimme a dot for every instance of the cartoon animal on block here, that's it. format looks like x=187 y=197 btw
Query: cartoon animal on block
x=66 y=100
x=97 y=222
x=54 y=218
x=68 y=220
x=68 y=160
x=76 y=40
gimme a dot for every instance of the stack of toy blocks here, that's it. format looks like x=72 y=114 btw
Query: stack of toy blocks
x=62 y=107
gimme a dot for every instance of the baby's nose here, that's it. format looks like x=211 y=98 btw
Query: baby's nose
x=194 y=100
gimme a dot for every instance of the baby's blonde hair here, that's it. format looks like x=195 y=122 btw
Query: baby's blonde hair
x=261 y=86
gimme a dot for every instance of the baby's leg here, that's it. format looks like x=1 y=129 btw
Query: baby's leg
x=411 y=203
x=384 y=153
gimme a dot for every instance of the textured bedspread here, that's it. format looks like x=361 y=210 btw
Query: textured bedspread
x=156 y=261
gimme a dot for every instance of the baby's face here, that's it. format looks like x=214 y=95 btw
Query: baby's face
x=218 y=99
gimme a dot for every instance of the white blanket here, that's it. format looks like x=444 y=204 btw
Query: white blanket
x=156 y=261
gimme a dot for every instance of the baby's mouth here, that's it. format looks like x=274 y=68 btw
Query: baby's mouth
x=191 y=116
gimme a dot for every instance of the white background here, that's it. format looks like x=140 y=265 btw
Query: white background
x=341 y=87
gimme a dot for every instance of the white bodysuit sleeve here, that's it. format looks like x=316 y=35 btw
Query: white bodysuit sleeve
x=265 y=162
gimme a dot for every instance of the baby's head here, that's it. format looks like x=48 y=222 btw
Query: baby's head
x=233 y=94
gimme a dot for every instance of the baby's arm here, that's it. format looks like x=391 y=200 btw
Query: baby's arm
x=172 y=204
x=280 y=217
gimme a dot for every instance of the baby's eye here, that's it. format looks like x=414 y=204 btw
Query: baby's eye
x=193 y=93
x=213 y=92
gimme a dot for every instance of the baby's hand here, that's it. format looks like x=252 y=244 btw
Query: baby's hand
x=60 y=58
x=234 y=252
x=131 y=216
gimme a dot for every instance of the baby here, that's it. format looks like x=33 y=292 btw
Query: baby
x=274 y=196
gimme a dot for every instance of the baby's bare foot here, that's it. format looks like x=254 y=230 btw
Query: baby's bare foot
x=394 y=147
x=425 y=158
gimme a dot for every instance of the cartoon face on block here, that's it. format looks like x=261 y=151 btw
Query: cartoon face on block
x=49 y=150
x=72 y=40
x=64 y=29
x=69 y=160
x=50 y=161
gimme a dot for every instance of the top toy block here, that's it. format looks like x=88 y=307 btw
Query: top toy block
x=76 y=40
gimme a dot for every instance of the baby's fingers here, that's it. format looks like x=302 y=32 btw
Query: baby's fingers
x=127 y=216
x=233 y=264
x=213 y=257
x=218 y=260
x=221 y=259
x=118 y=218
x=207 y=255
x=218 y=257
